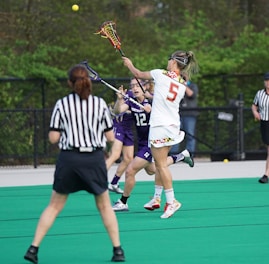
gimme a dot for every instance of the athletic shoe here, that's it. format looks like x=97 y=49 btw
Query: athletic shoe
x=31 y=255
x=120 y=206
x=118 y=255
x=115 y=188
x=263 y=179
x=187 y=158
x=170 y=209
x=153 y=204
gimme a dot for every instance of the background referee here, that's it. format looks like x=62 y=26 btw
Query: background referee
x=81 y=124
x=260 y=110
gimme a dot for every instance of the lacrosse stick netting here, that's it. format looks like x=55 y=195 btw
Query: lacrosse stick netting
x=108 y=30
x=95 y=77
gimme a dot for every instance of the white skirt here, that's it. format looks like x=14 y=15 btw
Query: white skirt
x=160 y=136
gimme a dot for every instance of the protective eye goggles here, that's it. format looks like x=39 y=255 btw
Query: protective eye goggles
x=181 y=60
x=134 y=85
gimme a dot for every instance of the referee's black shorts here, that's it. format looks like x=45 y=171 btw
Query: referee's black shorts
x=77 y=171
x=265 y=132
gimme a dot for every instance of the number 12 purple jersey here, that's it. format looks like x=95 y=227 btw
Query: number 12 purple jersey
x=141 y=121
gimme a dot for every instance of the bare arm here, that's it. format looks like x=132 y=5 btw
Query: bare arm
x=110 y=136
x=189 y=92
x=120 y=106
x=255 y=112
x=54 y=137
x=136 y=72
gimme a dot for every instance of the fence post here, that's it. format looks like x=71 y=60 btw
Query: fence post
x=35 y=139
x=240 y=128
x=43 y=84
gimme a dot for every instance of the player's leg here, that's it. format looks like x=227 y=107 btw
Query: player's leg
x=128 y=154
x=133 y=168
x=160 y=157
x=111 y=224
x=46 y=220
x=115 y=153
x=183 y=156
x=155 y=201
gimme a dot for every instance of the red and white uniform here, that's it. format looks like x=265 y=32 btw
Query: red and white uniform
x=164 y=118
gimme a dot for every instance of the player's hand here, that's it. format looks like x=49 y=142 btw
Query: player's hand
x=147 y=108
x=127 y=62
x=257 y=116
x=122 y=92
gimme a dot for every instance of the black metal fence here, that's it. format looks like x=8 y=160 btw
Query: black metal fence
x=222 y=132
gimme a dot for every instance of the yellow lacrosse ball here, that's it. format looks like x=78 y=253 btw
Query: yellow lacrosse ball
x=225 y=160
x=75 y=8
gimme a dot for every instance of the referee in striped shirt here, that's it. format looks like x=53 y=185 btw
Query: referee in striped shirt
x=260 y=110
x=80 y=124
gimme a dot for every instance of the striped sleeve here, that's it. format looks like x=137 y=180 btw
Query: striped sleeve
x=255 y=101
x=55 y=121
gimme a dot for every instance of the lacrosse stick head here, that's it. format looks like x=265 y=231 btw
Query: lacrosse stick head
x=92 y=74
x=108 y=30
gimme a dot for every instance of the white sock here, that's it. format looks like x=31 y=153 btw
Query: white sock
x=158 y=191
x=179 y=157
x=170 y=195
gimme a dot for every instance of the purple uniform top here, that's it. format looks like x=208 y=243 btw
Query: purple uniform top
x=123 y=126
x=141 y=119
x=125 y=119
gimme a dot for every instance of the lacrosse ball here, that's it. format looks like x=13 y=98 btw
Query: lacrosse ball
x=75 y=8
x=225 y=160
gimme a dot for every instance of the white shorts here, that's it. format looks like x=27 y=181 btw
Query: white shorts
x=165 y=136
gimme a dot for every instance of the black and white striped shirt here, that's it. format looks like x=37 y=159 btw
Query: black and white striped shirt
x=82 y=123
x=262 y=101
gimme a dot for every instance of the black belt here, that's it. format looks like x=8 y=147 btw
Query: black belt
x=84 y=149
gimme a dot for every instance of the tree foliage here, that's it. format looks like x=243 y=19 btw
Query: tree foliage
x=44 y=38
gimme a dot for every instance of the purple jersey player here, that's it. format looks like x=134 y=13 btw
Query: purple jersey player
x=124 y=143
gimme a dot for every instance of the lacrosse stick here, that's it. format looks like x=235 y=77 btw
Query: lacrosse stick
x=108 y=31
x=95 y=77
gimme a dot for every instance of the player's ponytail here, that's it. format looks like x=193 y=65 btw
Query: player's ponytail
x=186 y=61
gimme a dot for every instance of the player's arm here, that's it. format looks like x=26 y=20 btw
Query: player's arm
x=120 y=105
x=136 y=72
x=189 y=92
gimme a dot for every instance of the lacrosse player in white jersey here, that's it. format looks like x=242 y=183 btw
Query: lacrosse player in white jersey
x=164 y=131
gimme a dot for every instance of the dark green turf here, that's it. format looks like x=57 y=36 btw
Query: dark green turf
x=221 y=221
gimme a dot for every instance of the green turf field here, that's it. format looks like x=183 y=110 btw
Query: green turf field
x=220 y=221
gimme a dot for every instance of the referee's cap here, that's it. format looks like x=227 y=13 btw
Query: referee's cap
x=266 y=76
